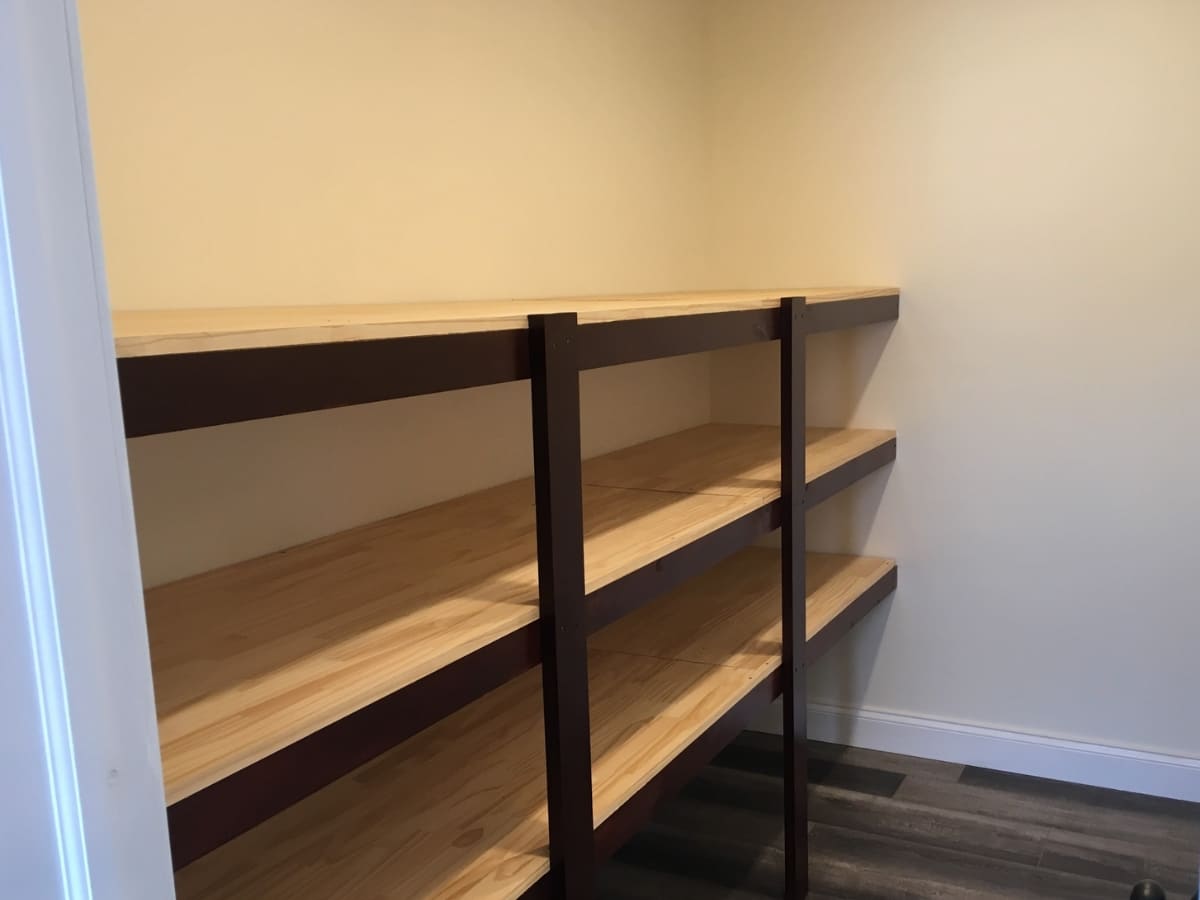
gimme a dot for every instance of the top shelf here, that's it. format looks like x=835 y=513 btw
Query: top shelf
x=192 y=368
x=172 y=331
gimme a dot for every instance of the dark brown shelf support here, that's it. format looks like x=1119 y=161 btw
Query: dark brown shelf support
x=179 y=391
x=633 y=340
x=852 y=313
x=558 y=490
x=795 y=736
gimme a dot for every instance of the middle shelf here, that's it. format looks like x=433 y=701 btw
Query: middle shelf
x=255 y=656
x=460 y=809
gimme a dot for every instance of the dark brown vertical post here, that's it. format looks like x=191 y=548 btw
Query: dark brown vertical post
x=795 y=750
x=558 y=487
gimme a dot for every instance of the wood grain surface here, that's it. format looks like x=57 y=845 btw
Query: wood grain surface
x=459 y=810
x=257 y=655
x=745 y=634
x=732 y=460
x=165 y=331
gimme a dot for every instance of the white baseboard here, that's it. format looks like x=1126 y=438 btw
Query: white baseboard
x=1145 y=772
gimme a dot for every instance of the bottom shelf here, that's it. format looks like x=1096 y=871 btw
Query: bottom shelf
x=459 y=809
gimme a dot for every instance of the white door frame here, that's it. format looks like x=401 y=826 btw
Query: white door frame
x=84 y=814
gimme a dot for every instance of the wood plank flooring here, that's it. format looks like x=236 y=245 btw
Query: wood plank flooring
x=886 y=826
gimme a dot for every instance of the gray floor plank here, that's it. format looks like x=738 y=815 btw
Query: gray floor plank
x=890 y=762
x=889 y=827
x=1175 y=869
x=937 y=827
x=1163 y=808
x=867 y=866
x=1074 y=858
x=1055 y=810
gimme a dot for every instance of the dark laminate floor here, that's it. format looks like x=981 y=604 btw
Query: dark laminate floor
x=886 y=826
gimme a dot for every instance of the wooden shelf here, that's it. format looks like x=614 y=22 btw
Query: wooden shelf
x=459 y=810
x=740 y=460
x=255 y=656
x=192 y=368
x=745 y=631
x=170 y=331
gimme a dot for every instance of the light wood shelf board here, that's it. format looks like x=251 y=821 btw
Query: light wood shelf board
x=747 y=634
x=459 y=810
x=733 y=460
x=834 y=581
x=154 y=332
x=825 y=449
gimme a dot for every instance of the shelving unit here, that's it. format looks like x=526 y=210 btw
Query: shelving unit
x=352 y=618
x=460 y=809
x=366 y=711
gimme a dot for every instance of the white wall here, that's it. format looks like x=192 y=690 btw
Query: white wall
x=1027 y=172
x=315 y=152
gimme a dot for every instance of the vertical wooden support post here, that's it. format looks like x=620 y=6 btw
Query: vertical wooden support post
x=558 y=486
x=795 y=730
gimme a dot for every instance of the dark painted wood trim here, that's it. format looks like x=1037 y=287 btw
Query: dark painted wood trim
x=792 y=665
x=558 y=491
x=202 y=822
x=633 y=340
x=194 y=390
x=821 y=489
x=176 y=392
x=852 y=313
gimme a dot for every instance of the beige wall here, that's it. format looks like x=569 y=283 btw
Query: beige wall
x=315 y=152
x=1027 y=171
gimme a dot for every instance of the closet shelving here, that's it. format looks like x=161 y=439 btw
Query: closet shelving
x=384 y=710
